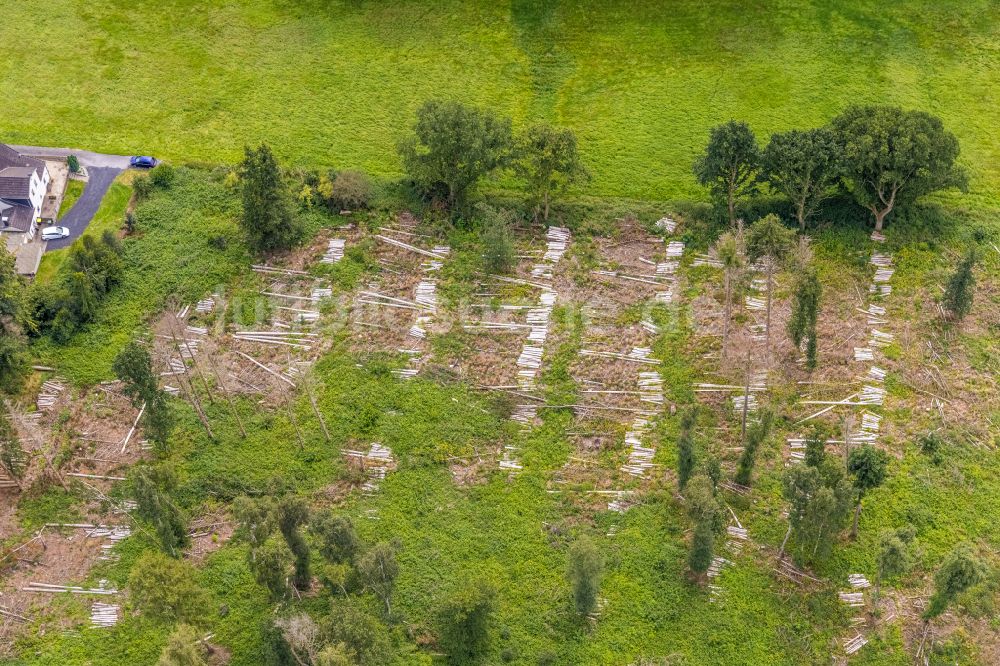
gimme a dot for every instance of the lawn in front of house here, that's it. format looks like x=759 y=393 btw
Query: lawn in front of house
x=74 y=189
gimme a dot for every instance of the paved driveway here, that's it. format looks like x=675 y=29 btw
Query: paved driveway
x=86 y=157
x=79 y=216
x=102 y=170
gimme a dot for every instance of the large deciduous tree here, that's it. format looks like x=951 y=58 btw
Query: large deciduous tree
x=771 y=241
x=255 y=518
x=892 y=156
x=338 y=541
x=166 y=590
x=820 y=500
x=730 y=164
x=802 y=165
x=549 y=162
x=453 y=147
x=270 y=566
x=266 y=217
x=363 y=636
x=378 y=570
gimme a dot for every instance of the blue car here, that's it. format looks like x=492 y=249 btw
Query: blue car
x=143 y=161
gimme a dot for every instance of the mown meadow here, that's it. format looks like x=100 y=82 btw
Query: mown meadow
x=641 y=83
x=334 y=85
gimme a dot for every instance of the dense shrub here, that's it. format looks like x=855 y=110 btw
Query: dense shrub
x=142 y=186
x=162 y=176
x=365 y=638
x=350 y=190
x=165 y=590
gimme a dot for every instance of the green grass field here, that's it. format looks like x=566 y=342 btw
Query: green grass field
x=336 y=83
x=74 y=188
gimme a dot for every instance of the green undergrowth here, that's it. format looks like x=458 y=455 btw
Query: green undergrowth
x=168 y=256
x=509 y=530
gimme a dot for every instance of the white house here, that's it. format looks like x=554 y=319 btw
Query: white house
x=23 y=183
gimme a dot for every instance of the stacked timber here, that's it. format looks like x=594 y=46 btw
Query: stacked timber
x=334 y=251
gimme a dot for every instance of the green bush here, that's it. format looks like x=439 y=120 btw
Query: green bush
x=350 y=190
x=73 y=163
x=162 y=176
x=166 y=590
x=142 y=186
x=932 y=445
x=466 y=618
x=499 y=254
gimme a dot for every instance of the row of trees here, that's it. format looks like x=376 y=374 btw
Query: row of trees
x=452 y=149
x=455 y=146
x=883 y=156
x=348 y=566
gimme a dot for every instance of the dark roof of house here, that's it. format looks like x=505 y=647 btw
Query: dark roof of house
x=15 y=187
x=15 y=173
x=19 y=218
x=11 y=158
